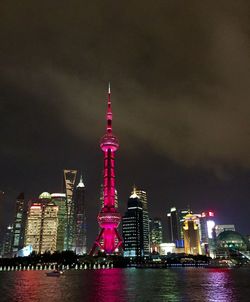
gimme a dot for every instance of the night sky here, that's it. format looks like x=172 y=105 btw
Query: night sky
x=180 y=80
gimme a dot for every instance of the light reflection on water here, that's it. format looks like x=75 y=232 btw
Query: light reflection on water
x=219 y=286
x=118 y=285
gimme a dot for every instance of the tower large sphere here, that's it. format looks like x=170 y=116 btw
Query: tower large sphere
x=109 y=141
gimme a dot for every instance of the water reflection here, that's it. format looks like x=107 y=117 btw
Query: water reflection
x=219 y=285
x=110 y=286
x=32 y=286
x=170 y=287
x=119 y=285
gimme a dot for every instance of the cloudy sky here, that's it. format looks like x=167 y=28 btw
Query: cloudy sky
x=180 y=78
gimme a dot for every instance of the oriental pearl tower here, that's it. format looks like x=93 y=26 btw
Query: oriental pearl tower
x=108 y=240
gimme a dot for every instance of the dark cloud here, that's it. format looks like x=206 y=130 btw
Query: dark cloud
x=180 y=80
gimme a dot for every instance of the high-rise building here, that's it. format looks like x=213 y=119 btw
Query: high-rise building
x=42 y=225
x=146 y=234
x=175 y=219
x=168 y=228
x=69 y=185
x=109 y=239
x=155 y=234
x=207 y=232
x=80 y=246
x=191 y=234
x=34 y=227
x=132 y=228
x=59 y=199
x=19 y=224
x=6 y=249
x=181 y=215
x=174 y=226
x=49 y=228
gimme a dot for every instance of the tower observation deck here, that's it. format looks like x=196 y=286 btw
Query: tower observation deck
x=108 y=240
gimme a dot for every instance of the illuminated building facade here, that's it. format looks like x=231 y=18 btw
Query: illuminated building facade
x=34 y=227
x=132 y=228
x=108 y=240
x=49 y=228
x=155 y=234
x=207 y=231
x=19 y=224
x=146 y=232
x=59 y=199
x=80 y=243
x=191 y=235
x=166 y=248
x=181 y=215
x=42 y=224
x=69 y=186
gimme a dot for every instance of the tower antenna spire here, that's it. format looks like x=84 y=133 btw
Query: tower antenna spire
x=109 y=112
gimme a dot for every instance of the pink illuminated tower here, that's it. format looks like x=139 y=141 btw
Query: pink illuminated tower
x=108 y=240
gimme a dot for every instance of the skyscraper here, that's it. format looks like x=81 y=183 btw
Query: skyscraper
x=175 y=219
x=34 y=227
x=109 y=218
x=132 y=228
x=155 y=234
x=207 y=232
x=19 y=224
x=80 y=219
x=42 y=225
x=143 y=198
x=174 y=226
x=191 y=234
x=6 y=251
x=59 y=199
x=168 y=228
x=69 y=185
x=48 y=237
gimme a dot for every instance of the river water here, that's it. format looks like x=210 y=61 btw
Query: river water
x=115 y=285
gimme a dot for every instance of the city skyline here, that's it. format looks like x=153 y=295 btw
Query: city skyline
x=200 y=215
x=144 y=199
x=180 y=79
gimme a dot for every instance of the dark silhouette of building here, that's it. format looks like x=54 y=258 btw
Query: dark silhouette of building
x=59 y=199
x=174 y=231
x=19 y=224
x=155 y=234
x=80 y=219
x=69 y=186
x=132 y=228
x=7 y=242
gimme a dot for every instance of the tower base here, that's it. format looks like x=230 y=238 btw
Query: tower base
x=108 y=241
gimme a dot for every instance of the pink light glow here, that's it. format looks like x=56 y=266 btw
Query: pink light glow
x=36 y=207
x=209 y=213
x=109 y=219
